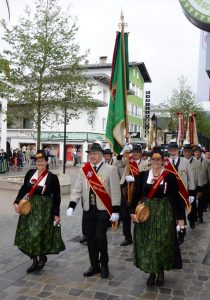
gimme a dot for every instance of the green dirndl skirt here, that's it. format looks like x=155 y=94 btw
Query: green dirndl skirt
x=155 y=241
x=35 y=234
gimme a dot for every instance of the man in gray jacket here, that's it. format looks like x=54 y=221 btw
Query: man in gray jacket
x=184 y=169
x=99 y=188
x=197 y=211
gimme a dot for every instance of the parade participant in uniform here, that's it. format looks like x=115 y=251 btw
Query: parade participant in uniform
x=204 y=166
x=136 y=165
x=198 y=182
x=183 y=167
x=108 y=156
x=39 y=233
x=155 y=241
x=207 y=194
x=99 y=187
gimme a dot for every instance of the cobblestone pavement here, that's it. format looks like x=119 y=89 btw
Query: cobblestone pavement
x=62 y=278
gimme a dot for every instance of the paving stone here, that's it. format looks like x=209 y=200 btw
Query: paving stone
x=149 y=296
x=113 y=297
x=75 y=292
x=203 y=278
x=164 y=290
x=163 y=297
x=114 y=283
x=101 y=296
x=44 y=294
x=87 y=294
x=179 y=293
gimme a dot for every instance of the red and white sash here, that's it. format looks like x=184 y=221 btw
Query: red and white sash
x=182 y=189
x=134 y=168
x=156 y=184
x=98 y=187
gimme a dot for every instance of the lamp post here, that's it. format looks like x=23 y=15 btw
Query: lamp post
x=64 y=142
x=68 y=96
x=154 y=123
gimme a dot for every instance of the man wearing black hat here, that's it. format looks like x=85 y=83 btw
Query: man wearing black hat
x=108 y=156
x=98 y=186
x=135 y=163
x=183 y=167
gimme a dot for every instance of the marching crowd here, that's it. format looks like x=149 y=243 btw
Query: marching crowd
x=160 y=192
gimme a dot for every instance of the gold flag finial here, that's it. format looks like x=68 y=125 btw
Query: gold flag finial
x=122 y=24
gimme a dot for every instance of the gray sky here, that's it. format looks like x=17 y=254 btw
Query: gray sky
x=160 y=36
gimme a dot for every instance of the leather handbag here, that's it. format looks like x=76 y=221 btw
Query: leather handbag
x=142 y=212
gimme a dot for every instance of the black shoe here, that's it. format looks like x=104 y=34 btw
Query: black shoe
x=104 y=272
x=33 y=267
x=160 y=279
x=200 y=220
x=42 y=262
x=192 y=225
x=83 y=240
x=151 y=279
x=126 y=243
x=92 y=271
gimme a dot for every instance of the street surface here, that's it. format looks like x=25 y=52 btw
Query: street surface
x=62 y=278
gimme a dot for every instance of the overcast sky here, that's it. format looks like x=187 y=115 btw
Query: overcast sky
x=160 y=36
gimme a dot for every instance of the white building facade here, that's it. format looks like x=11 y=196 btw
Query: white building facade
x=81 y=132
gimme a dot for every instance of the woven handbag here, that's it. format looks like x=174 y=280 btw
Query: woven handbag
x=142 y=212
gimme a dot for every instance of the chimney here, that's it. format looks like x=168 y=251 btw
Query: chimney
x=102 y=59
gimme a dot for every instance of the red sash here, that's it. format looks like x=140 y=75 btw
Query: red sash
x=133 y=167
x=182 y=189
x=37 y=182
x=97 y=186
x=156 y=184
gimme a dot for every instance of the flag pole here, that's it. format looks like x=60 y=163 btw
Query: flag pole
x=122 y=25
x=130 y=185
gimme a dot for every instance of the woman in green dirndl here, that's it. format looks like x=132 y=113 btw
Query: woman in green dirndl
x=155 y=241
x=39 y=233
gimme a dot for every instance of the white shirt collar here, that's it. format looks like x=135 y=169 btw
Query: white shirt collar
x=175 y=159
x=150 y=177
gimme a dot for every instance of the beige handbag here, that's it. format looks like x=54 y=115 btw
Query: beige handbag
x=142 y=212
x=24 y=205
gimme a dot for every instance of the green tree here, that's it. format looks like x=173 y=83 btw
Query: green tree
x=183 y=100
x=40 y=45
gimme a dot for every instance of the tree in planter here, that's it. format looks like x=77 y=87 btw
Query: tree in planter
x=39 y=47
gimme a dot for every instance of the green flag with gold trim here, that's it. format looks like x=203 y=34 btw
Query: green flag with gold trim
x=115 y=128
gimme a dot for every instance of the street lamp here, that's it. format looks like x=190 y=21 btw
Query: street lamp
x=154 y=123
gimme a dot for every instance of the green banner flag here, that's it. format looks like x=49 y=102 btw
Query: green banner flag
x=115 y=128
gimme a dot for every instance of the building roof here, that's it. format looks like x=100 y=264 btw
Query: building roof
x=140 y=65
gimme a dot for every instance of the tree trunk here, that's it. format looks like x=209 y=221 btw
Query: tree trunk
x=39 y=121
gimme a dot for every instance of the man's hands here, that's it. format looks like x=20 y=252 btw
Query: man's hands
x=114 y=217
x=69 y=211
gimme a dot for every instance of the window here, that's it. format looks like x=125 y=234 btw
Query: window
x=134 y=72
x=103 y=123
x=93 y=122
x=104 y=95
x=137 y=75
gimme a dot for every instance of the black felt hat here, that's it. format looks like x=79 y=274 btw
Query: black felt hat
x=95 y=147
x=107 y=151
x=173 y=145
x=40 y=154
x=197 y=148
x=157 y=150
x=137 y=148
x=187 y=147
